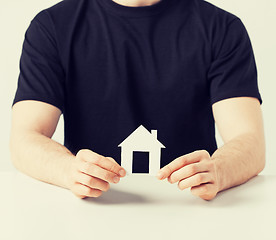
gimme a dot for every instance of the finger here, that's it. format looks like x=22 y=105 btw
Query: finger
x=205 y=191
x=82 y=191
x=201 y=189
x=122 y=171
x=112 y=159
x=101 y=161
x=98 y=172
x=181 y=162
x=194 y=180
x=187 y=171
x=92 y=182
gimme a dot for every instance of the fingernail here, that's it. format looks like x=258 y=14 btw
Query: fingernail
x=160 y=175
x=122 y=172
x=116 y=179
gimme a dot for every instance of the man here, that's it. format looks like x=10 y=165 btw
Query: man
x=108 y=66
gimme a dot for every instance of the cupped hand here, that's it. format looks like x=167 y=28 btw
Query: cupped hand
x=91 y=174
x=196 y=171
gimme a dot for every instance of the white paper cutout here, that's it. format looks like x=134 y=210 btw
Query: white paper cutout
x=141 y=140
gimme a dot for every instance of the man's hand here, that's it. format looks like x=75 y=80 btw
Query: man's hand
x=91 y=173
x=196 y=171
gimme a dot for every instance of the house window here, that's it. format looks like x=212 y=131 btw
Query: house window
x=140 y=162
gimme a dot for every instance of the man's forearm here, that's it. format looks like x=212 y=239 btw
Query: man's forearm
x=239 y=160
x=44 y=159
x=41 y=157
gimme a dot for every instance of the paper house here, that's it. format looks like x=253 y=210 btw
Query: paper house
x=141 y=140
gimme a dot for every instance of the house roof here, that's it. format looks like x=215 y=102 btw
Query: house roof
x=141 y=138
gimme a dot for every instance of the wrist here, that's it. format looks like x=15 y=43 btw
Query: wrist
x=69 y=164
x=219 y=173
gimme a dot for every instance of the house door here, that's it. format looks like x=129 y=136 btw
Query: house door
x=140 y=162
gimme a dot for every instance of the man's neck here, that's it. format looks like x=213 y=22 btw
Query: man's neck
x=136 y=3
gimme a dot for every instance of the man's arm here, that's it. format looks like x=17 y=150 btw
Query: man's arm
x=240 y=124
x=37 y=155
x=242 y=157
x=32 y=149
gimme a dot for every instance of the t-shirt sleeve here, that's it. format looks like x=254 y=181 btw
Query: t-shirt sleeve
x=41 y=75
x=233 y=71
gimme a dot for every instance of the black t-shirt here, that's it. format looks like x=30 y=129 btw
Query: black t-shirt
x=111 y=68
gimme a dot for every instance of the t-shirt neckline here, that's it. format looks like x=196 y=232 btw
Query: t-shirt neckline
x=142 y=11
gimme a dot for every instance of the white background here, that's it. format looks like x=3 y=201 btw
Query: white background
x=258 y=16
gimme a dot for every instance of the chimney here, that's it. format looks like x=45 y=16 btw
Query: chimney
x=154 y=133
